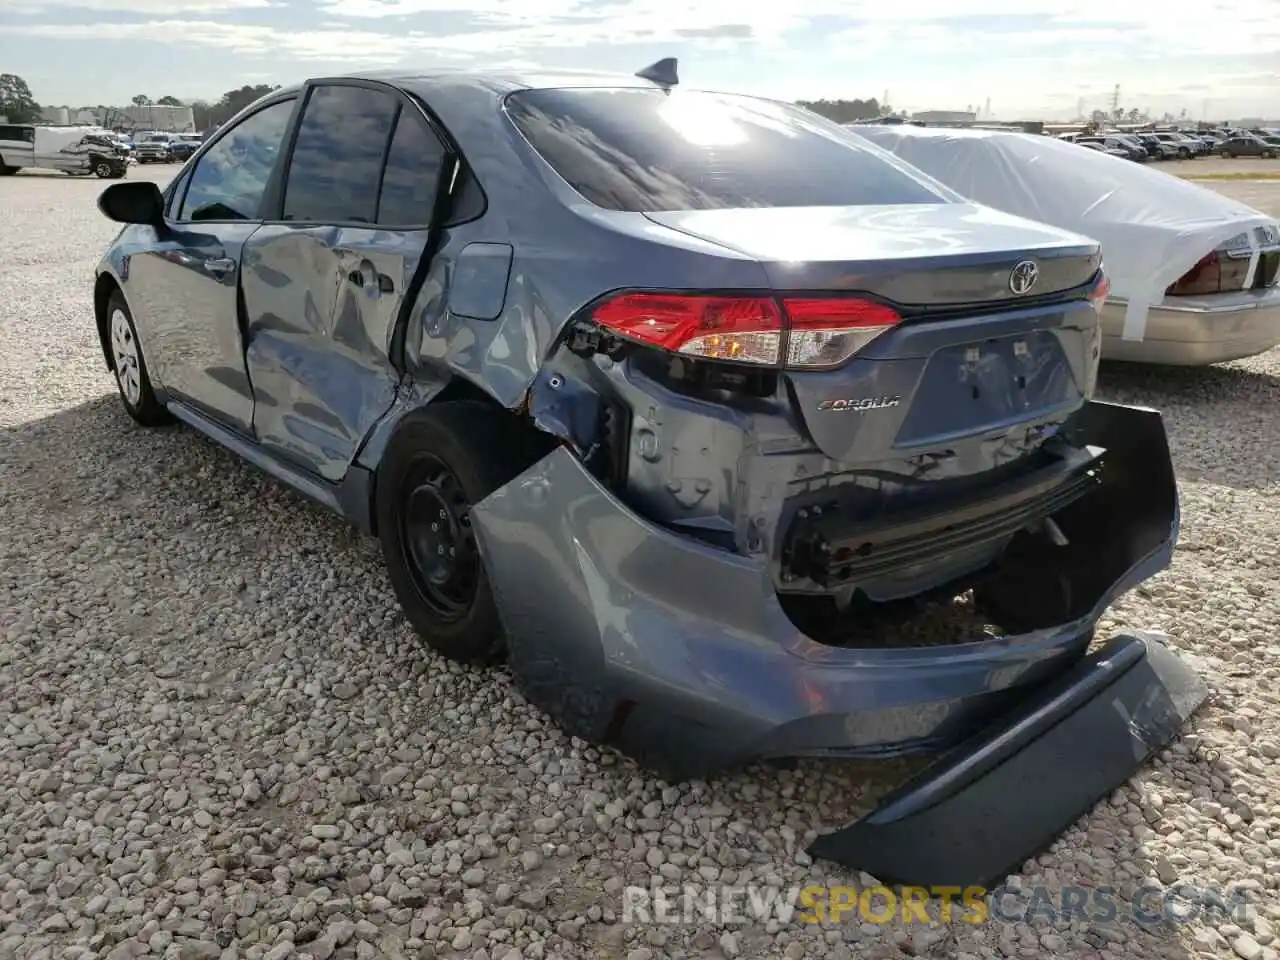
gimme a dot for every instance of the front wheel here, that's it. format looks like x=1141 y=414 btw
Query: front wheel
x=130 y=368
x=7 y=171
x=102 y=170
x=1267 y=154
x=1225 y=154
x=441 y=461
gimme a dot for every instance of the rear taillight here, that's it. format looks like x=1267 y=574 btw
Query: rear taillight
x=1101 y=290
x=827 y=332
x=814 y=333
x=1214 y=273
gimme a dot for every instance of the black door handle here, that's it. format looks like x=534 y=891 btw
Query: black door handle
x=385 y=283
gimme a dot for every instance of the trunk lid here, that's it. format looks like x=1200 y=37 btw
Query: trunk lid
x=975 y=375
x=930 y=254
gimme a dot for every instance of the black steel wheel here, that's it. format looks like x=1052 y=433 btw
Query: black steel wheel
x=441 y=461
x=436 y=540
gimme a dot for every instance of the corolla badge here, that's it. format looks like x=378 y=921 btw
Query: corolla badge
x=1023 y=277
x=859 y=405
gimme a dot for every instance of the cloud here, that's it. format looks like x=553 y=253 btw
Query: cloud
x=334 y=46
x=139 y=7
x=929 y=52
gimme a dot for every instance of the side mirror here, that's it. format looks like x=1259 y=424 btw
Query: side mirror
x=138 y=201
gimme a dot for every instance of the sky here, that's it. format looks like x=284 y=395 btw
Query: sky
x=1215 y=59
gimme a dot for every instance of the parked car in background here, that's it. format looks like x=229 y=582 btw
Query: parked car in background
x=1181 y=147
x=1194 y=273
x=153 y=147
x=1247 y=145
x=1099 y=146
x=1194 y=143
x=1159 y=149
x=1117 y=146
x=182 y=146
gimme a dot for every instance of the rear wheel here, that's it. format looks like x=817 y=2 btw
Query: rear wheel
x=6 y=171
x=1225 y=154
x=441 y=462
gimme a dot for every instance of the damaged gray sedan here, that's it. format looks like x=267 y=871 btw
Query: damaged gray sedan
x=689 y=405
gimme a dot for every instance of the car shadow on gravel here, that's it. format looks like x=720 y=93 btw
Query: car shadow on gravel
x=1221 y=420
x=198 y=527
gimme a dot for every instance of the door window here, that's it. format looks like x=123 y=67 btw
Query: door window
x=412 y=173
x=337 y=157
x=231 y=177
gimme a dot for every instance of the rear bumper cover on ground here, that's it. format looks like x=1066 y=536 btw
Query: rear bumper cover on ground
x=691 y=645
x=977 y=814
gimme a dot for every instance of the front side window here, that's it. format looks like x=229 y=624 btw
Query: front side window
x=231 y=177
x=337 y=158
x=644 y=150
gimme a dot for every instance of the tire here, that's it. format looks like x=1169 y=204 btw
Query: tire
x=442 y=460
x=6 y=171
x=1225 y=154
x=102 y=170
x=1267 y=154
x=126 y=353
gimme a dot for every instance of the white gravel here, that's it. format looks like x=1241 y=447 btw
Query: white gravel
x=218 y=738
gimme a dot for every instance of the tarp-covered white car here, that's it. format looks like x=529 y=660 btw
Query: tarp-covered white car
x=1193 y=273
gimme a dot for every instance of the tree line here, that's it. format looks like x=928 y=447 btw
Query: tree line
x=19 y=105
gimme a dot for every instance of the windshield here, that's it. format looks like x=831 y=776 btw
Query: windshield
x=645 y=150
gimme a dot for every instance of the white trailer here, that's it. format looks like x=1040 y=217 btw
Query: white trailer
x=77 y=150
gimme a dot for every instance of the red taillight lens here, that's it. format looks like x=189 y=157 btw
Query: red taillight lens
x=1213 y=274
x=819 y=333
x=745 y=329
x=1101 y=290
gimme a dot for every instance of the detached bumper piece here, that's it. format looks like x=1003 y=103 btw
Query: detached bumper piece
x=977 y=814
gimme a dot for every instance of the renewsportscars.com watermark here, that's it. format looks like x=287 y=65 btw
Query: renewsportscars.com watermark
x=694 y=903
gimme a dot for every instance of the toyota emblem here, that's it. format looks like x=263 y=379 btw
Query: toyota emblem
x=1023 y=277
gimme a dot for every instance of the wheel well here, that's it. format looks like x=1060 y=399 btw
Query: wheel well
x=103 y=287
x=461 y=390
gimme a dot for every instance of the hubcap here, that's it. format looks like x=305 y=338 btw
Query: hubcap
x=438 y=541
x=125 y=349
x=103 y=170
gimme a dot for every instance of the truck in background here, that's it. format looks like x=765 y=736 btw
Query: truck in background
x=76 y=150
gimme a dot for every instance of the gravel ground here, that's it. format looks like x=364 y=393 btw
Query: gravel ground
x=219 y=738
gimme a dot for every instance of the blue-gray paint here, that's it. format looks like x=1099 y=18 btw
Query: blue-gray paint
x=664 y=582
x=479 y=288
x=695 y=636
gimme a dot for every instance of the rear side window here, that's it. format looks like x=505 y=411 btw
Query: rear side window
x=645 y=150
x=412 y=174
x=337 y=158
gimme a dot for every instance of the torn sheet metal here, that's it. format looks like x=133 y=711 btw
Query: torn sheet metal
x=1153 y=227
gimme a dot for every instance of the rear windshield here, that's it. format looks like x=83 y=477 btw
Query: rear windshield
x=645 y=150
